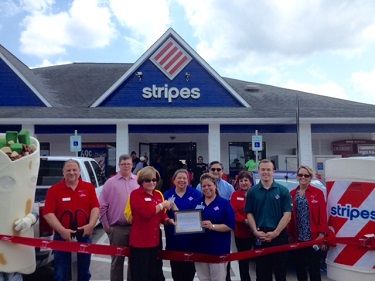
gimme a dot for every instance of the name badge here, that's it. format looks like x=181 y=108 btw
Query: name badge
x=199 y=207
x=66 y=199
x=240 y=198
x=147 y=199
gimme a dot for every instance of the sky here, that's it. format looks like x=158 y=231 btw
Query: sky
x=325 y=47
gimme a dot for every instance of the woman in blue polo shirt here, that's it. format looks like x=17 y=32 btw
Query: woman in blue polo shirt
x=218 y=220
x=182 y=195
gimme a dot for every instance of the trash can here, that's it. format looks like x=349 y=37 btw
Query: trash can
x=351 y=216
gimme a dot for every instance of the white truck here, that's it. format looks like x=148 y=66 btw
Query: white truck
x=50 y=173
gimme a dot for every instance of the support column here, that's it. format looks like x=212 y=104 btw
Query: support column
x=122 y=140
x=214 y=142
x=305 y=145
x=30 y=128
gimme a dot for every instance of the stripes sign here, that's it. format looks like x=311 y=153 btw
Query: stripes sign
x=171 y=58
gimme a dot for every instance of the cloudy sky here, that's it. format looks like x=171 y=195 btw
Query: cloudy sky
x=324 y=47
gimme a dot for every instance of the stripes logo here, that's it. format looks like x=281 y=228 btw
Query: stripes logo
x=170 y=58
x=351 y=211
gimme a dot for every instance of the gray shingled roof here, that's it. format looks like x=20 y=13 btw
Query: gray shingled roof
x=72 y=88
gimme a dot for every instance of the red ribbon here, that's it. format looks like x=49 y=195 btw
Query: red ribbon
x=109 y=250
x=64 y=246
x=366 y=242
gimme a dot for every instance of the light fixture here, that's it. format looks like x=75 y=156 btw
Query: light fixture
x=139 y=74
x=187 y=76
x=172 y=137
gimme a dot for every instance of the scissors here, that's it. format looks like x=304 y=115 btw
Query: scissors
x=74 y=222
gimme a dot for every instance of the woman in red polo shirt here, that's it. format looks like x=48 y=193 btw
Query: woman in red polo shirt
x=242 y=233
x=148 y=212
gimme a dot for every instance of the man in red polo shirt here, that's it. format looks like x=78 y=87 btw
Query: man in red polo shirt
x=72 y=210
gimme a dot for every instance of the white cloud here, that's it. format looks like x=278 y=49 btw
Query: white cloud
x=329 y=88
x=8 y=8
x=90 y=25
x=146 y=20
x=231 y=31
x=45 y=36
x=47 y=62
x=85 y=25
x=272 y=38
x=364 y=86
x=36 y=5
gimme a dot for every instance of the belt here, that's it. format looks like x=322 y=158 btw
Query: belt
x=119 y=224
x=266 y=229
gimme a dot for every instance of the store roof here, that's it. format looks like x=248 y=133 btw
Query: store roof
x=71 y=89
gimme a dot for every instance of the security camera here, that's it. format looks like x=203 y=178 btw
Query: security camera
x=139 y=74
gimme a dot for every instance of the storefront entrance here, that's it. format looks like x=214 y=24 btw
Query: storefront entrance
x=172 y=156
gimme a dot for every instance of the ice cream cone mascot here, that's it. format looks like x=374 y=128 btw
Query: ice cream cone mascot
x=19 y=165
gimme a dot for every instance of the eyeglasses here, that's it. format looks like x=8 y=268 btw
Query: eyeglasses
x=215 y=169
x=126 y=164
x=303 y=176
x=152 y=180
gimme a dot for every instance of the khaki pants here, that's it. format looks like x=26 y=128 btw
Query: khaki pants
x=120 y=237
x=211 y=271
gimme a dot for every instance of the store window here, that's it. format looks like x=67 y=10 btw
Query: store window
x=239 y=154
x=44 y=149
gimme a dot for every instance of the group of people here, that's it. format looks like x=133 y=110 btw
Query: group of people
x=131 y=209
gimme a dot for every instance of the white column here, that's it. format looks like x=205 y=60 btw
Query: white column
x=122 y=140
x=305 y=145
x=213 y=142
x=30 y=128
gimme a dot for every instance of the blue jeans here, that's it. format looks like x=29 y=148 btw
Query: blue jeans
x=14 y=276
x=63 y=261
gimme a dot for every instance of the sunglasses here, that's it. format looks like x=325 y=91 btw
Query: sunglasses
x=152 y=180
x=216 y=169
x=303 y=176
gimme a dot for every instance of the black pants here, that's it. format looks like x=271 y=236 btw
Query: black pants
x=144 y=265
x=182 y=270
x=244 y=244
x=307 y=258
x=273 y=263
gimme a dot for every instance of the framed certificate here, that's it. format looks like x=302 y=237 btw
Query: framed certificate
x=188 y=222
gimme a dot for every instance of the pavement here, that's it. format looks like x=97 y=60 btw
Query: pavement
x=101 y=267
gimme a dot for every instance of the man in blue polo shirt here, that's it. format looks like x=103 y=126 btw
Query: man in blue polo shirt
x=269 y=207
x=216 y=169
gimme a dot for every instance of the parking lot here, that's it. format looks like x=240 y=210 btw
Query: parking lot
x=100 y=266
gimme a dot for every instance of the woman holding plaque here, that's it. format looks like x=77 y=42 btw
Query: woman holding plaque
x=218 y=220
x=148 y=212
x=182 y=195
x=242 y=234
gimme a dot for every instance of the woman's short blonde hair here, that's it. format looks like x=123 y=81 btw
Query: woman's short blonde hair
x=148 y=173
x=308 y=169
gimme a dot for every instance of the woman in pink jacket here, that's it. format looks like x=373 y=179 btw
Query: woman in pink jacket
x=309 y=222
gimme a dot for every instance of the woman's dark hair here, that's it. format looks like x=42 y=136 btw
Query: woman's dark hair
x=208 y=176
x=244 y=174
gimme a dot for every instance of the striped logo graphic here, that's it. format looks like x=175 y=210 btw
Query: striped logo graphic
x=351 y=214
x=171 y=58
